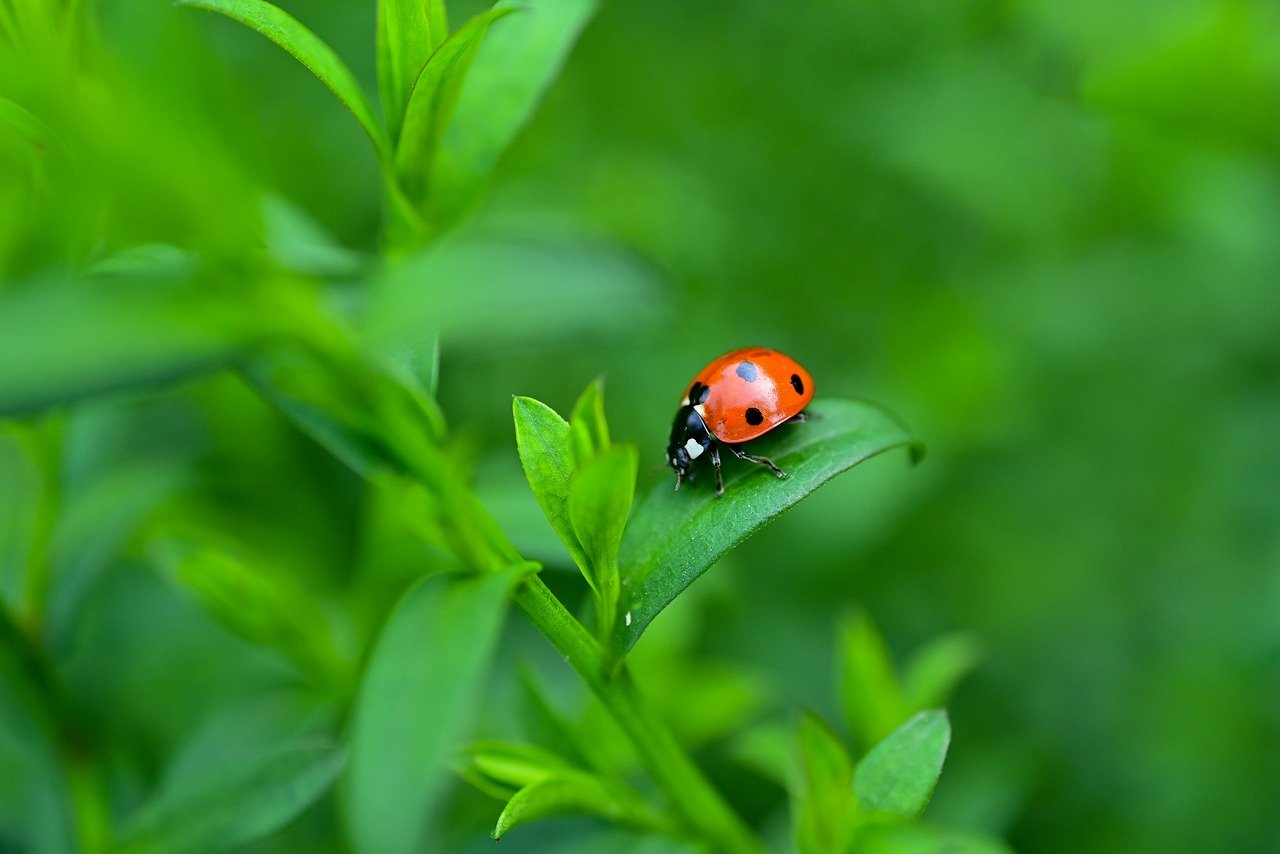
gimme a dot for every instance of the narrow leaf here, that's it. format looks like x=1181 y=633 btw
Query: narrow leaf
x=542 y=439
x=65 y=341
x=899 y=774
x=415 y=706
x=600 y=497
x=408 y=31
x=824 y=800
x=576 y=793
x=933 y=674
x=674 y=537
x=588 y=430
x=309 y=49
x=432 y=99
x=511 y=72
x=236 y=804
x=873 y=702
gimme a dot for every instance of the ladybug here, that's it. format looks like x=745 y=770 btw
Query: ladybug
x=738 y=397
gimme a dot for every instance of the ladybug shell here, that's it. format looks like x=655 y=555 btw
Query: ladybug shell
x=746 y=393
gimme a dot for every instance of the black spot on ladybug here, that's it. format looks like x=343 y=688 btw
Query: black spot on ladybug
x=698 y=394
x=748 y=372
x=797 y=383
x=754 y=416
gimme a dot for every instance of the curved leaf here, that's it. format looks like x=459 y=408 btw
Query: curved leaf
x=512 y=69
x=408 y=31
x=568 y=793
x=899 y=774
x=542 y=438
x=674 y=537
x=309 y=49
x=419 y=692
x=235 y=804
x=434 y=95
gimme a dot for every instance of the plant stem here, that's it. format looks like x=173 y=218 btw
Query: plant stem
x=699 y=805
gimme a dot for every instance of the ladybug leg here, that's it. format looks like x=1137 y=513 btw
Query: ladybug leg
x=797 y=418
x=715 y=461
x=764 y=461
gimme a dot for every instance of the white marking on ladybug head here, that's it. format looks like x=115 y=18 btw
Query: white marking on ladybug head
x=684 y=401
x=701 y=409
x=694 y=449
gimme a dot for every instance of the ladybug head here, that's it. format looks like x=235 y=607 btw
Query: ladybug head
x=689 y=440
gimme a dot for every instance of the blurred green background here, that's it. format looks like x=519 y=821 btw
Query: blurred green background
x=1046 y=234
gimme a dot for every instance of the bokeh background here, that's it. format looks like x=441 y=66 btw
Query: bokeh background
x=1046 y=234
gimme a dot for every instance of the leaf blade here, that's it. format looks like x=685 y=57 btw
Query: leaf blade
x=432 y=97
x=676 y=536
x=600 y=496
x=512 y=70
x=408 y=31
x=236 y=807
x=309 y=49
x=899 y=774
x=869 y=689
x=423 y=679
x=542 y=440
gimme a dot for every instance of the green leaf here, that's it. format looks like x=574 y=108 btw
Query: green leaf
x=873 y=702
x=263 y=608
x=542 y=439
x=511 y=71
x=674 y=537
x=433 y=98
x=933 y=674
x=415 y=706
x=301 y=245
x=561 y=795
x=899 y=774
x=308 y=48
x=824 y=801
x=507 y=767
x=549 y=287
x=408 y=31
x=921 y=839
x=128 y=333
x=234 y=804
x=588 y=430
x=600 y=495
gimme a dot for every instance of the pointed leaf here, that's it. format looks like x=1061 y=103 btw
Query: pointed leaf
x=824 y=801
x=873 y=702
x=933 y=674
x=511 y=71
x=674 y=537
x=899 y=774
x=433 y=98
x=542 y=438
x=234 y=804
x=600 y=496
x=588 y=430
x=129 y=332
x=408 y=31
x=415 y=705
x=577 y=793
x=308 y=48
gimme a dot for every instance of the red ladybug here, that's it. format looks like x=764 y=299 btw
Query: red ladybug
x=738 y=397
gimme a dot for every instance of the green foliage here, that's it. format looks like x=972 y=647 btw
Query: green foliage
x=306 y=47
x=229 y=806
x=674 y=538
x=408 y=32
x=420 y=688
x=825 y=800
x=231 y=330
x=898 y=774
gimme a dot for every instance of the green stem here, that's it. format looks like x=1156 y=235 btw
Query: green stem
x=699 y=805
